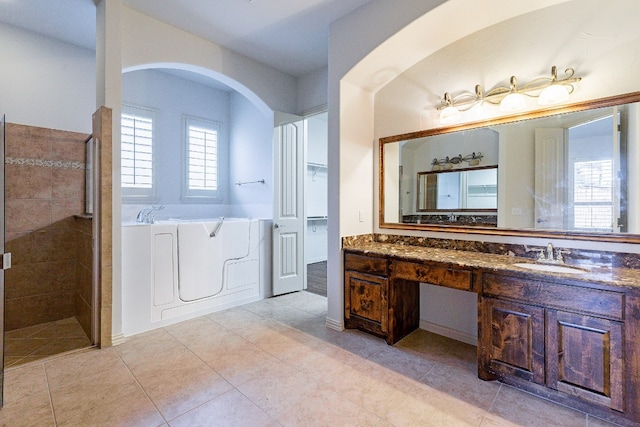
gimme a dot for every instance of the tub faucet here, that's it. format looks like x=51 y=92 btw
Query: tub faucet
x=147 y=215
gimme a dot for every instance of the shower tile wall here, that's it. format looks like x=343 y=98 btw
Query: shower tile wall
x=84 y=272
x=44 y=171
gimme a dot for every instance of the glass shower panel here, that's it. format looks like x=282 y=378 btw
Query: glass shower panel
x=2 y=153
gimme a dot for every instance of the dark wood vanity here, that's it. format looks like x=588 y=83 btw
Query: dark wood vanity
x=574 y=339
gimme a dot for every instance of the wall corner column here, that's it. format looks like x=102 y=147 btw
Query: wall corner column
x=109 y=95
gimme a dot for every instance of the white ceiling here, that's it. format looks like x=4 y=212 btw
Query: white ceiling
x=288 y=35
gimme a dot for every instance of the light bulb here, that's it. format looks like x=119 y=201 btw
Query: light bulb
x=513 y=102
x=449 y=115
x=553 y=94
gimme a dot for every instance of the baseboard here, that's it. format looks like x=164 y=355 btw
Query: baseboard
x=117 y=339
x=448 y=332
x=334 y=324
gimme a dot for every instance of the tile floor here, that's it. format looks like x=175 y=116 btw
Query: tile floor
x=44 y=340
x=271 y=363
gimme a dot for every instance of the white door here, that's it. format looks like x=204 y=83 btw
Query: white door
x=550 y=179
x=289 y=268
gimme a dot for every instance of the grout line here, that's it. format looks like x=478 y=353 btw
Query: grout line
x=140 y=385
x=46 y=377
x=495 y=397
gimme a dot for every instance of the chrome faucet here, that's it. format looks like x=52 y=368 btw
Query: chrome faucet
x=147 y=215
x=546 y=255
x=550 y=251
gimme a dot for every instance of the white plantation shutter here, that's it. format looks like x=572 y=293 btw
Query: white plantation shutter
x=202 y=153
x=203 y=158
x=137 y=152
x=593 y=195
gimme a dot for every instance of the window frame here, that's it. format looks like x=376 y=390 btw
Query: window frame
x=133 y=194
x=199 y=195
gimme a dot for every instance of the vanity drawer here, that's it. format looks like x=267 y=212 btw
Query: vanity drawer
x=567 y=297
x=366 y=264
x=435 y=275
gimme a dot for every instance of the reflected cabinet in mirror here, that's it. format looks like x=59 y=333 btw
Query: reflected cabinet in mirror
x=570 y=172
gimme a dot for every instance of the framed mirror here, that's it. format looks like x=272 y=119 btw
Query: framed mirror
x=569 y=172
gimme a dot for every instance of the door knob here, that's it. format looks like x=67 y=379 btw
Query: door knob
x=276 y=226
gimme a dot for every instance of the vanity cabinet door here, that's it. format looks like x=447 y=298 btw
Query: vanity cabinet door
x=366 y=302
x=513 y=339
x=585 y=358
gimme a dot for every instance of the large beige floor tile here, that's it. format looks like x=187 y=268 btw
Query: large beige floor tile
x=286 y=344
x=432 y=346
x=264 y=326
x=233 y=357
x=520 y=408
x=232 y=409
x=328 y=364
x=328 y=408
x=235 y=319
x=128 y=407
x=158 y=357
x=196 y=329
x=174 y=378
x=97 y=387
x=356 y=342
x=406 y=362
x=462 y=384
x=306 y=301
x=597 y=422
x=268 y=307
x=204 y=337
x=279 y=389
x=184 y=390
x=26 y=398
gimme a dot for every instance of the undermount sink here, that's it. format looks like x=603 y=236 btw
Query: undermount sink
x=552 y=268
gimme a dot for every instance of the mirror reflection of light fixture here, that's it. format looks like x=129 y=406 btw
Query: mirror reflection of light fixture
x=548 y=90
x=472 y=159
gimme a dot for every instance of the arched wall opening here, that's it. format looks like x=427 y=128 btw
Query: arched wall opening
x=211 y=74
x=176 y=93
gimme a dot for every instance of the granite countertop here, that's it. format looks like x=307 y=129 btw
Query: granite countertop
x=594 y=273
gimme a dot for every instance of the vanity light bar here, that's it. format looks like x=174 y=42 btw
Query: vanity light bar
x=548 y=90
x=447 y=163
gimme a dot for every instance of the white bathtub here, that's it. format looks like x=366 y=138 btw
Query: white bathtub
x=177 y=269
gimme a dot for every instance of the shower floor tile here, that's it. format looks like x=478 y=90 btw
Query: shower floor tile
x=40 y=341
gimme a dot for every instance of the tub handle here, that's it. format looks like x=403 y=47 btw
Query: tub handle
x=215 y=231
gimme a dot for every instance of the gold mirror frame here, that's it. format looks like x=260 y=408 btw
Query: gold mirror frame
x=547 y=112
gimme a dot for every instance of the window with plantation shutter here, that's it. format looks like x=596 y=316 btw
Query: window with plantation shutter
x=202 y=147
x=137 y=152
x=593 y=195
